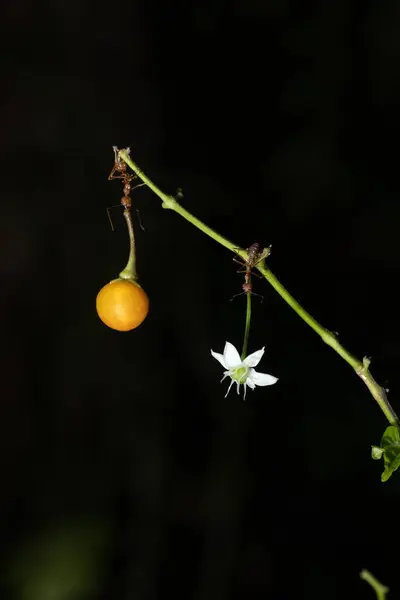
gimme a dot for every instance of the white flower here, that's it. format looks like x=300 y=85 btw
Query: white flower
x=242 y=371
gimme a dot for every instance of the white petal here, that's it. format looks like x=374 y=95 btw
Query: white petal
x=250 y=383
x=261 y=378
x=253 y=359
x=231 y=356
x=219 y=358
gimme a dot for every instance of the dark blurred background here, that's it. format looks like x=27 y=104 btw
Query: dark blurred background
x=126 y=474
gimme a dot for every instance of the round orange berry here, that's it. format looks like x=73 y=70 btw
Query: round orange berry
x=122 y=304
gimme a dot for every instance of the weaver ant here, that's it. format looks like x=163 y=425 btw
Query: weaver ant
x=254 y=256
x=119 y=171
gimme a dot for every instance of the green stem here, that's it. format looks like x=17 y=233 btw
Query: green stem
x=171 y=203
x=380 y=590
x=130 y=270
x=360 y=367
x=247 y=327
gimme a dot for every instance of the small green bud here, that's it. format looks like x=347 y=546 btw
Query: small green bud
x=376 y=452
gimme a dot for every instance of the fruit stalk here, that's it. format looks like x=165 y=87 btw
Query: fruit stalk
x=130 y=270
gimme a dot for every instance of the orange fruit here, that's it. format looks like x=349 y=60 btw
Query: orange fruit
x=122 y=304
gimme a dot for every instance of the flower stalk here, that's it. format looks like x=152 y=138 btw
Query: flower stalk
x=247 y=326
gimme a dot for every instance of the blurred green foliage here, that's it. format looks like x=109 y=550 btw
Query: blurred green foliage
x=62 y=562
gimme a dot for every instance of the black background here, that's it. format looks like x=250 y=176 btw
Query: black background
x=279 y=120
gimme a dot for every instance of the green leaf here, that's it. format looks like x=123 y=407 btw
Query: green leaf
x=390 y=450
x=391 y=436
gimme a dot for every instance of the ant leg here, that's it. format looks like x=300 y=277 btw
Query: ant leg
x=258 y=295
x=257 y=274
x=139 y=219
x=264 y=254
x=236 y=295
x=240 y=262
x=112 y=176
x=116 y=151
x=109 y=218
x=109 y=215
x=255 y=265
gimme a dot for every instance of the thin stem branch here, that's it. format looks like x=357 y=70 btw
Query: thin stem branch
x=380 y=589
x=360 y=367
x=247 y=327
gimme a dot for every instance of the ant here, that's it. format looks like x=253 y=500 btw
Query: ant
x=120 y=168
x=254 y=256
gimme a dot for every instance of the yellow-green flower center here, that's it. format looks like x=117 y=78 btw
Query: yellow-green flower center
x=239 y=374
